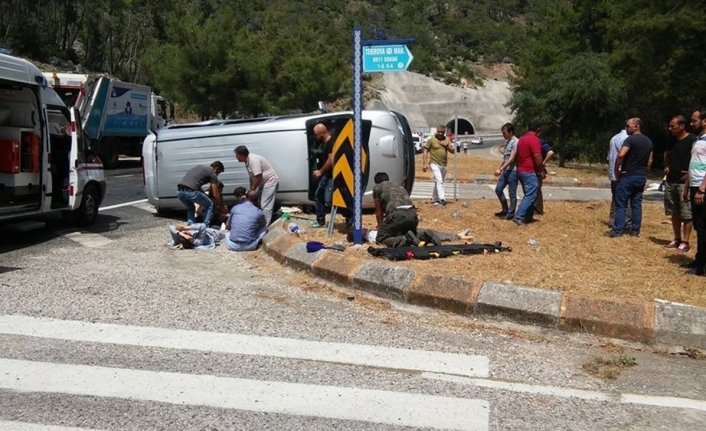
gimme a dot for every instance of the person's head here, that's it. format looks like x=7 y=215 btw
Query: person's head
x=186 y=240
x=251 y=196
x=217 y=167
x=508 y=131
x=241 y=153
x=239 y=193
x=533 y=126
x=441 y=133
x=321 y=132
x=633 y=126
x=698 y=121
x=678 y=126
x=380 y=177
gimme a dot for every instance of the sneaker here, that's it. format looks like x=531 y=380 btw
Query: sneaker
x=317 y=225
x=436 y=204
x=635 y=234
x=518 y=222
x=612 y=234
x=443 y=202
x=689 y=265
x=683 y=247
x=674 y=244
x=501 y=214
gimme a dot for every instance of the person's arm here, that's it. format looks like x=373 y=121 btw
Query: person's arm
x=699 y=196
x=255 y=182
x=506 y=163
x=667 y=162
x=685 y=190
x=450 y=147
x=649 y=162
x=378 y=213
x=216 y=191
x=619 y=160
x=547 y=158
x=325 y=168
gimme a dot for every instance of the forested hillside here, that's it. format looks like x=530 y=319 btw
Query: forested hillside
x=582 y=66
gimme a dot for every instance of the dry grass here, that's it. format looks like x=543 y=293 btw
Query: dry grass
x=475 y=165
x=608 y=369
x=572 y=255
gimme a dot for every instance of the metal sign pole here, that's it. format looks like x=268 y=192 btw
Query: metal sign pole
x=357 y=135
x=456 y=156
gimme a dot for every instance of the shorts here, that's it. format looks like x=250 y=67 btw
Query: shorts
x=673 y=205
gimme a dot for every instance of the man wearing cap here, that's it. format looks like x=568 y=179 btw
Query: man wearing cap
x=189 y=191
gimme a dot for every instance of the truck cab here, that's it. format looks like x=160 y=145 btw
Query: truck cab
x=45 y=163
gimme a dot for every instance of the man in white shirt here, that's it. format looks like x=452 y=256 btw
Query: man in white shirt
x=263 y=179
x=615 y=143
x=697 y=188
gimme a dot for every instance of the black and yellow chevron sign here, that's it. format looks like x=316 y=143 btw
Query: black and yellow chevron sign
x=343 y=159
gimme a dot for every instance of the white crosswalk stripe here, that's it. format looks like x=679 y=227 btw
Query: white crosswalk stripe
x=383 y=407
x=26 y=426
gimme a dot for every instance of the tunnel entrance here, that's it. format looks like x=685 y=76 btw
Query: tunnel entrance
x=465 y=127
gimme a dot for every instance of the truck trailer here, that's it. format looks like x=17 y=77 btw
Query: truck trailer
x=118 y=116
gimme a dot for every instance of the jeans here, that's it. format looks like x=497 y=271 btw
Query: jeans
x=246 y=246
x=189 y=198
x=530 y=184
x=439 y=174
x=322 y=197
x=508 y=178
x=629 y=189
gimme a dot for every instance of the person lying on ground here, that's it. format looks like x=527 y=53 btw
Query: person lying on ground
x=196 y=235
x=370 y=236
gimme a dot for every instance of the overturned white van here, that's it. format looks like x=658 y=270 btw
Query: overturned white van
x=45 y=165
x=286 y=141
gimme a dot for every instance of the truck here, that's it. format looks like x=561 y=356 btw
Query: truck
x=118 y=116
x=71 y=87
x=45 y=163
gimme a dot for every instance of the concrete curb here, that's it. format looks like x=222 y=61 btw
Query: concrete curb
x=549 y=181
x=658 y=321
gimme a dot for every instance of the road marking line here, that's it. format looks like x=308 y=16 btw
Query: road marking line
x=557 y=391
x=396 y=408
x=26 y=426
x=126 y=204
x=339 y=353
x=146 y=206
x=91 y=240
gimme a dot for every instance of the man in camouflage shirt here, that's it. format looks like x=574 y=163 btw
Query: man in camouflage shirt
x=394 y=212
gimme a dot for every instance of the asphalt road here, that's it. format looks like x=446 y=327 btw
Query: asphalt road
x=107 y=328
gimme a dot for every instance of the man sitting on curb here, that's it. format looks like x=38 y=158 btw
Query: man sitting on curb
x=247 y=225
x=394 y=212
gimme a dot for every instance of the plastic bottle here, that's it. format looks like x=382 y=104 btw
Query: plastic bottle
x=293 y=228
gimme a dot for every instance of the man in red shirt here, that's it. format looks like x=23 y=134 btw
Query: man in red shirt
x=529 y=169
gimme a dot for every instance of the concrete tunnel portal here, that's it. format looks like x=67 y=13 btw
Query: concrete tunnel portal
x=465 y=127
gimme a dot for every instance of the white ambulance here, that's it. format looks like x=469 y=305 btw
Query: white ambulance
x=45 y=165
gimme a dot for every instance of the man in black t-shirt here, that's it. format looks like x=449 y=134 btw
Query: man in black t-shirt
x=676 y=166
x=631 y=167
x=189 y=191
x=324 y=173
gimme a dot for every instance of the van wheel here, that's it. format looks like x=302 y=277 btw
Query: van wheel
x=87 y=213
x=109 y=153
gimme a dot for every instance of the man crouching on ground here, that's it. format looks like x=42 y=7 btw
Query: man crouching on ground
x=394 y=212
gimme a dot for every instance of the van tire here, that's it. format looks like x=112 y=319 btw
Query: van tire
x=109 y=153
x=87 y=213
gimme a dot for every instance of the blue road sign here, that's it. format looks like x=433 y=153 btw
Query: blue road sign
x=386 y=58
